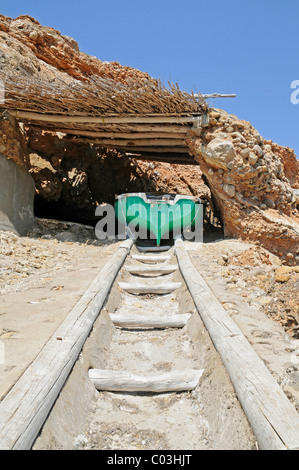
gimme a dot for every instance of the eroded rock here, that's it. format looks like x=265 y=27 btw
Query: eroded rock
x=252 y=182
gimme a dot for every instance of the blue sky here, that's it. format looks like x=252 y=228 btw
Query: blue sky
x=247 y=47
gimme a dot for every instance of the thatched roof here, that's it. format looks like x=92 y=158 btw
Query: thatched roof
x=101 y=96
x=51 y=84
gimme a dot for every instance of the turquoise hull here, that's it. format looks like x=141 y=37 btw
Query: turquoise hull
x=158 y=215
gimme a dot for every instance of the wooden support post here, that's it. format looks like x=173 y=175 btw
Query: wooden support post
x=274 y=420
x=119 y=381
x=25 y=408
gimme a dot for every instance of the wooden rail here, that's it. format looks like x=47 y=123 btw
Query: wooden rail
x=274 y=420
x=25 y=408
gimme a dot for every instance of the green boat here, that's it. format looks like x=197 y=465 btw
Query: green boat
x=158 y=216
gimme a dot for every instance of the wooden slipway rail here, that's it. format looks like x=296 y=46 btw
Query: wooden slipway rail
x=23 y=412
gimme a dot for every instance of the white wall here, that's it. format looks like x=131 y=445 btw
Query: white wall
x=16 y=197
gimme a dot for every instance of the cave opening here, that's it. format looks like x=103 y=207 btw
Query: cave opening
x=71 y=190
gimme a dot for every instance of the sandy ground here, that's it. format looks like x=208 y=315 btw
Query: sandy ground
x=262 y=297
x=43 y=275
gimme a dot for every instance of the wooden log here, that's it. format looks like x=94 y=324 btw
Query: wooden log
x=151 y=258
x=127 y=135
x=274 y=420
x=127 y=130
x=61 y=118
x=216 y=95
x=99 y=128
x=123 y=143
x=142 y=321
x=119 y=381
x=145 y=149
x=166 y=157
x=166 y=288
x=25 y=408
x=156 y=269
x=153 y=248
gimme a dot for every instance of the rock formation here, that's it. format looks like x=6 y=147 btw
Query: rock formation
x=252 y=181
x=35 y=46
x=12 y=140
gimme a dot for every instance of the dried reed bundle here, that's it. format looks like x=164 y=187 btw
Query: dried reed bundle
x=102 y=96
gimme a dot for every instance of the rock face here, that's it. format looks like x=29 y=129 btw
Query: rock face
x=12 y=141
x=36 y=46
x=253 y=182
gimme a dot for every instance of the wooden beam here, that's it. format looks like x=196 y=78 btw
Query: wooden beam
x=25 y=408
x=149 y=150
x=61 y=118
x=156 y=269
x=151 y=258
x=273 y=418
x=216 y=95
x=124 y=143
x=119 y=381
x=142 y=134
x=142 y=321
x=166 y=158
x=93 y=129
x=137 y=288
x=148 y=249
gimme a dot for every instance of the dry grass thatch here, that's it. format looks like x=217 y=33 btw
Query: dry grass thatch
x=101 y=96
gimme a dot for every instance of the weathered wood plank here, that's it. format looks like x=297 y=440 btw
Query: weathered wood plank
x=217 y=95
x=148 y=143
x=162 y=321
x=126 y=135
x=150 y=249
x=165 y=156
x=135 y=288
x=138 y=131
x=274 y=420
x=117 y=381
x=41 y=117
x=150 y=150
x=156 y=269
x=25 y=408
x=151 y=258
